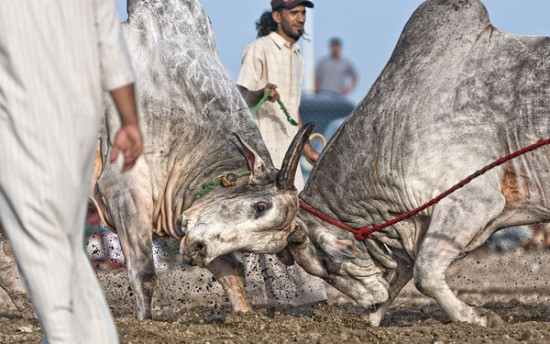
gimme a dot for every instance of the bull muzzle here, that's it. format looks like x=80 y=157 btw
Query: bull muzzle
x=194 y=252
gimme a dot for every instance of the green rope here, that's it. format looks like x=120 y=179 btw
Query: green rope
x=261 y=102
x=211 y=184
x=288 y=118
x=283 y=107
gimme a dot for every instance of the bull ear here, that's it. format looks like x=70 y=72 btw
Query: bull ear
x=255 y=162
x=285 y=178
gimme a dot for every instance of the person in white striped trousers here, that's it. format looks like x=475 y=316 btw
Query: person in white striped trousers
x=56 y=57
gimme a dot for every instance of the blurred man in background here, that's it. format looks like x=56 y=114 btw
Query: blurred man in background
x=335 y=74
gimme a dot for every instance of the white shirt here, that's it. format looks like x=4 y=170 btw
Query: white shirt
x=79 y=42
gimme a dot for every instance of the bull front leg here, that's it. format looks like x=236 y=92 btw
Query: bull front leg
x=404 y=273
x=454 y=224
x=229 y=271
x=137 y=246
x=130 y=213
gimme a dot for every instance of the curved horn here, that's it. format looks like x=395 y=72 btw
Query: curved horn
x=285 y=178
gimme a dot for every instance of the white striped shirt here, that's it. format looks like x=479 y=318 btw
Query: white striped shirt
x=56 y=57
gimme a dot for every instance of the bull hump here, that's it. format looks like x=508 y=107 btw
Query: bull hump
x=439 y=21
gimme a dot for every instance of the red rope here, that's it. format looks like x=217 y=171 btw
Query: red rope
x=366 y=232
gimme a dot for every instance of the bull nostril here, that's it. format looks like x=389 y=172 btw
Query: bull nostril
x=200 y=248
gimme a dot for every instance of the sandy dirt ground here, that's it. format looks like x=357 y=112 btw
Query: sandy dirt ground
x=513 y=286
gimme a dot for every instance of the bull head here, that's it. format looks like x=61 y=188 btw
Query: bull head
x=261 y=211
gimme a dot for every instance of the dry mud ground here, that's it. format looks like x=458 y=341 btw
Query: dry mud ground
x=513 y=286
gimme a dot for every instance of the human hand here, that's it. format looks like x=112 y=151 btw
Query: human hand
x=129 y=140
x=274 y=96
x=311 y=155
x=346 y=91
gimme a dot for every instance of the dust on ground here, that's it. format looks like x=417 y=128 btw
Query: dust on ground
x=513 y=286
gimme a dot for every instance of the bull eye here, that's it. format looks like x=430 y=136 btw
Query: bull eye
x=261 y=207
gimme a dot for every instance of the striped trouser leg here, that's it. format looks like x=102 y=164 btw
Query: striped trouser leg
x=42 y=203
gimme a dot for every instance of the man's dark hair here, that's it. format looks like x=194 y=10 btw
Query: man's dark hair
x=335 y=40
x=266 y=25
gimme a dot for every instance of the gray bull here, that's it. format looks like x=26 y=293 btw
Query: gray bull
x=455 y=95
x=188 y=111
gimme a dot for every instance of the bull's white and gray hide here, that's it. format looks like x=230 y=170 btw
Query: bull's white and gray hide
x=189 y=109
x=455 y=95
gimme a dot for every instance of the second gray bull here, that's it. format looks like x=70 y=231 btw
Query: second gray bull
x=456 y=95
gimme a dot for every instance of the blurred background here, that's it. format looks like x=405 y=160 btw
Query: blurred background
x=368 y=29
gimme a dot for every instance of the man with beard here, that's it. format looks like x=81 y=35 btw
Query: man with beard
x=274 y=62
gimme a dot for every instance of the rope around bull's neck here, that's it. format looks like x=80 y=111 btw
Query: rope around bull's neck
x=283 y=107
x=211 y=184
x=363 y=233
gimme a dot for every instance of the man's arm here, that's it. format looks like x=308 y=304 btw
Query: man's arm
x=128 y=138
x=353 y=81
x=252 y=74
x=318 y=77
x=317 y=85
x=117 y=77
x=347 y=90
x=114 y=58
x=351 y=72
x=311 y=155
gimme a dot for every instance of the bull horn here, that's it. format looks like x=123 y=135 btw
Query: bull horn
x=285 y=178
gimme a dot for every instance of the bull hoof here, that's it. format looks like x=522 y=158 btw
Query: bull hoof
x=243 y=309
x=144 y=316
x=492 y=319
x=373 y=319
x=373 y=316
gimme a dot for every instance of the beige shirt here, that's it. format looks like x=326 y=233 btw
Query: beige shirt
x=271 y=59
